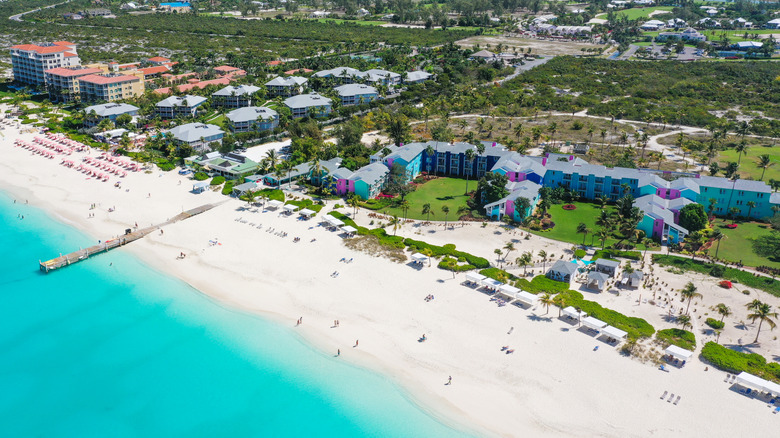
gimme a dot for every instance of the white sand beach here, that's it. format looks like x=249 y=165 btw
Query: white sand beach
x=554 y=384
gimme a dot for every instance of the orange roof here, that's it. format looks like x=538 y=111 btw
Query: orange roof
x=200 y=85
x=272 y=63
x=159 y=59
x=63 y=43
x=225 y=68
x=68 y=72
x=40 y=49
x=70 y=54
x=300 y=70
x=153 y=70
x=128 y=66
x=102 y=80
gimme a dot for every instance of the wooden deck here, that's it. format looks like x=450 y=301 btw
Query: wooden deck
x=83 y=254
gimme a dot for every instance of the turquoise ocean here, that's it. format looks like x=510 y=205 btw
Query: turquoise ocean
x=113 y=348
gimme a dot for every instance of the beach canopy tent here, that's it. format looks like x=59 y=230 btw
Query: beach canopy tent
x=527 y=298
x=290 y=208
x=491 y=284
x=571 y=312
x=475 y=278
x=509 y=290
x=419 y=258
x=333 y=221
x=306 y=212
x=755 y=382
x=349 y=230
x=678 y=353
x=275 y=204
x=614 y=332
x=200 y=186
x=593 y=323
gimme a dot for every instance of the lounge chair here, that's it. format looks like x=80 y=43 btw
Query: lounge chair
x=664 y=396
x=677 y=401
x=728 y=376
x=670 y=398
x=777 y=410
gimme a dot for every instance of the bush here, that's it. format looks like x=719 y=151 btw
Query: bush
x=714 y=323
x=447 y=250
x=746 y=278
x=379 y=233
x=718 y=271
x=451 y=264
x=273 y=194
x=674 y=336
x=165 y=165
x=635 y=327
x=306 y=203
x=217 y=180
x=228 y=188
x=580 y=253
x=200 y=176
x=540 y=283
x=613 y=253
x=498 y=274
x=729 y=360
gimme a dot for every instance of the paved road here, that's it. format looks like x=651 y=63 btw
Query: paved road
x=18 y=17
x=525 y=67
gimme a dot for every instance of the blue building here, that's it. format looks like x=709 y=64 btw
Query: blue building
x=356 y=94
x=252 y=118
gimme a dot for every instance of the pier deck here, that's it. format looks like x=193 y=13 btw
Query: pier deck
x=83 y=254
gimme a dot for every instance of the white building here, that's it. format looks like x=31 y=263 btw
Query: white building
x=29 y=61
x=197 y=135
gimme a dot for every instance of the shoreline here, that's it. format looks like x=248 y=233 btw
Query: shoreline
x=554 y=384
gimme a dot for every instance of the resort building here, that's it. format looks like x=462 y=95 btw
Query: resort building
x=178 y=106
x=30 y=61
x=509 y=205
x=252 y=118
x=301 y=171
x=562 y=271
x=308 y=105
x=383 y=77
x=343 y=75
x=177 y=7
x=417 y=77
x=231 y=165
x=689 y=34
x=158 y=60
x=367 y=182
x=62 y=82
x=356 y=94
x=97 y=113
x=234 y=97
x=286 y=86
x=110 y=87
x=198 y=136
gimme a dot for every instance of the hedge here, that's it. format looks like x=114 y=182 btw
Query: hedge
x=540 y=283
x=614 y=253
x=734 y=361
x=273 y=194
x=307 y=203
x=735 y=275
x=165 y=165
x=451 y=264
x=228 y=188
x=635 y=327
x=447 y=250
x=200 y=176
x=498 y=274
x=380 y=233
x=714 y=323
x=674 y=336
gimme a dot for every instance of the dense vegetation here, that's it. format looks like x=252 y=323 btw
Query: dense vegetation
x=735 y=275
x=635 y=327
x=729 y=360
x=674 y=336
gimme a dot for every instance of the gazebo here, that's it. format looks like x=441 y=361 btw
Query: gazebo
x=527 y=298
x=678 y=353
x=474 y=278
x=594 y=324
x=419 y=258
x=491 y=284
x=508 y=291
x=614 y=332
x=332 y=221
x=754 y=382
x=350 y=231
x=307 y=213
x=290 y=208
x=275 y=204
x=200 y=186
x=571 y=312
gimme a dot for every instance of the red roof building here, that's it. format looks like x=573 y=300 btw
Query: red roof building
x=158 y=60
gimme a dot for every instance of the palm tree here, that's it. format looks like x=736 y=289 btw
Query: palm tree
x=763 y=313
x=584 y=230
x=315 y=167
x=446 y=210
x=426 y=209
x=469 y=166
x=717 y=236
x=519 y=131
x=602 y=235
x=764 y=162
x=546 y=300
x=684 y=321
x=396 y=223
x=713 y=203
x=723 y=310
x=689 y=292
x=463 y=210
x=509 y=247
x=543 y=256
x=750 y=205
x=524 y=260
x=428 y=253
x=354 y=202
x=498 y=253
x=740 y=148
x=431 y=158
x=272 y=157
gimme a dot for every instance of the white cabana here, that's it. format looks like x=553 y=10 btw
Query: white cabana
x=678 y=353
x=349 y=230
x=200 y=186
x=334 y=221
x=475 y=278
x=593 y=323
x=614 y=332
x=419 y=258
x=527 y=298
x=307 y=213
x=275 y=204
x=750 y=381
x=491 y=284
x=290 y=208
x=572 y=313
x=509 y=290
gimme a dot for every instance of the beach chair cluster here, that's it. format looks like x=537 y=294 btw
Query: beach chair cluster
x=500 y=293
x=64 y=141
x=34 y=149
x=53 y=145
x=671 y=399
x=124 y=164
x=94 y=168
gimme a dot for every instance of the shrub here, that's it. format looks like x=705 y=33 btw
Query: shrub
x=674 y=336
x=273 y=194
x=217 y=180
x=451 y=264
x=165 y=165
x=447 y=250
x=635 y=327
x=714 y=323
x=306 y=203
x=200 y=176
x=580 y=253
x=734 y=361
x=228 y=188
x=746 y=278
x=540 y=283
x=498 y=274
x=613 y=253
x=718 y=270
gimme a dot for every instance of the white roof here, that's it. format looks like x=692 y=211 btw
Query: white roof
x=332 y=220
x=593 y=323
x=679 y=353
x=474 y=277
x=508 y=289
x=110 y=109
x=200 y=184
x=489 y=282
x=306 y=212
x=289 y=81
x=355 y=90
x=251 y=113
x=188 y=101
x=348 y=229
x=614 y=332
x=419 y=257
x=191 y=132
x=290 y=207
x=527 y=297
x=571 y=312
x=306 y=101
x=746 y=379
x=275 y=203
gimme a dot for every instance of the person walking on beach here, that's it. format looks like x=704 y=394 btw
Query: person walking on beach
x=356 y=342
x=449 y=381
x=338 y=352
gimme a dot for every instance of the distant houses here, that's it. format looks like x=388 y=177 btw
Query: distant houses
x=107 y=111
x=252 y=118
x=179 y=106
x=198 y=136
x=286 y=86
x=234 y=97
x=356 y=94
x=308 y=105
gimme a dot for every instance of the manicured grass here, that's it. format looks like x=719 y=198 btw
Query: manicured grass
x=738 y=243
x=735 y=275
x=748 y=168
x=635 y=13
x=437 y=192
x=566 y=222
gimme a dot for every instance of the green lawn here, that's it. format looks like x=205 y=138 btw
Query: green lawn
x=566 y=222
x=737 y=245
x=437 y=192
x=635 y=13
x=748 y=167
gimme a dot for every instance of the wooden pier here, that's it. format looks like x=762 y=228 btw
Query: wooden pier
x=83 y=254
